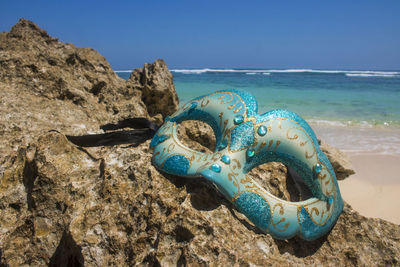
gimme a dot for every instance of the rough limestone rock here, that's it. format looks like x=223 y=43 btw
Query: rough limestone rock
x=61 y=205
x=158 y=90
x=46 y=84
x=32 y=60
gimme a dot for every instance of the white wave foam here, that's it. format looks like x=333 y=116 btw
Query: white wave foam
x=123 y=71
x=360 y=139
x=199 y=71
x=301 y=70
x=360 y=73
x=328 y=123
x=372 y=72
x=363 y=124
x=357 y=72
x=369 y=75
x=258 y=72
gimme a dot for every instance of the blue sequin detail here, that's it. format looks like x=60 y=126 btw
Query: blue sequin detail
x=242 y=136
x=176 y=164
x=262 y=130
x=192 y=106
x=226 y=159
x=255 y=208
x=250 y=153
x=215 y=167
x=158 y=139
x=238 y=119
x=318 y=168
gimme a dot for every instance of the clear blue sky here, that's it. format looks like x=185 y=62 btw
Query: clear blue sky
x=242 y=34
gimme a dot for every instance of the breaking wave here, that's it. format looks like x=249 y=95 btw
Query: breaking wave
x=349 y=73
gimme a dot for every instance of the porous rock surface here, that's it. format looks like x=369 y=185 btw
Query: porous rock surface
x=157 y=86
x=46 y=84
x=61 y=205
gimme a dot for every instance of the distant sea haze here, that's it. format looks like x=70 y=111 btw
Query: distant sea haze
x=335 y=97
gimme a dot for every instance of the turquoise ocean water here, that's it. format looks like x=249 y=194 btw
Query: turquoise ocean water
x=331 y=96
x=352 y=101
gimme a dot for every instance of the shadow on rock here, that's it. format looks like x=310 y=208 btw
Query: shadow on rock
x=68 y=253
x=203 y=195
x=248 y=225
x=299 y=247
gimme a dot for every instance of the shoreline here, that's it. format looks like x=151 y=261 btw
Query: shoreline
x=360 y=139
x=374 y=188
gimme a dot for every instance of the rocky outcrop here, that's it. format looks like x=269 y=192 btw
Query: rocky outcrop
x=61 y=205
x=31 y=60
x=158 y=90
x=46 y=84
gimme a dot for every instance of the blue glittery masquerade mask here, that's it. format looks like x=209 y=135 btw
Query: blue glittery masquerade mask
x=245 y=140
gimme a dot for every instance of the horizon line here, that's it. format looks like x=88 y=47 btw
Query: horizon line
x=274 y=69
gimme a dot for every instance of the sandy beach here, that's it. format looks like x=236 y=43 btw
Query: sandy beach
x=374 y=189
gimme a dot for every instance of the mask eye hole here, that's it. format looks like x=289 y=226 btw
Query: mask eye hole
x=281 y=181
x=197 y=135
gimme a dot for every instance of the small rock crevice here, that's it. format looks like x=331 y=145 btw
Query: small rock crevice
x=96 y=89
x=182 y=234
x=30 y=174
x=74 y=59
x=2 y=263
x=151 y=260
x=182 y=260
